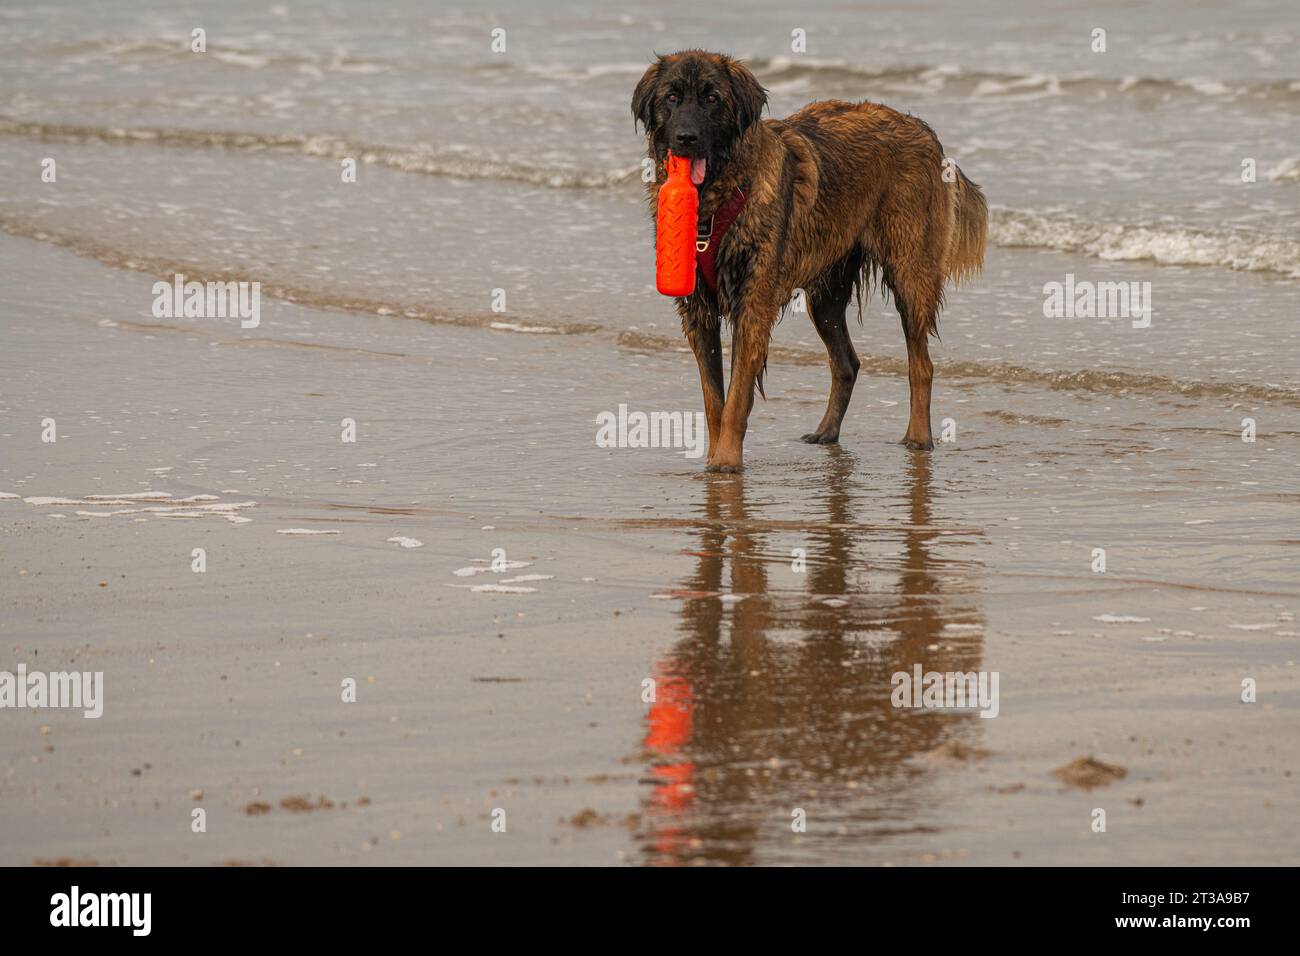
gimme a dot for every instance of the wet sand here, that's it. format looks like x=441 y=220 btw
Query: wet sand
x=773 y=686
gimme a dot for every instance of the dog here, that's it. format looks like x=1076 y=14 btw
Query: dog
x=830 y=200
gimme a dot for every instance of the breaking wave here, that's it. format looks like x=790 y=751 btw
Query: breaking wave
x=1164 y=244
x=454 y=163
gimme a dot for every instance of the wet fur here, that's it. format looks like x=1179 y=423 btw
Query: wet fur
x=840 y=196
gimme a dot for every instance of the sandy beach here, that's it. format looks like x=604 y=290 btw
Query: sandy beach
x=365 y=587
x=222 y=688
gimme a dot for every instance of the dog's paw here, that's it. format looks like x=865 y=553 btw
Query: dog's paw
x=914 y=445
x=723 y=467
x=818 y=438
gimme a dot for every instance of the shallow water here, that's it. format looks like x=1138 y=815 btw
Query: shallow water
x=519 y=170
x=626 y=565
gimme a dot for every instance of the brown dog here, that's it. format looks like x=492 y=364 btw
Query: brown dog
x=826 y=201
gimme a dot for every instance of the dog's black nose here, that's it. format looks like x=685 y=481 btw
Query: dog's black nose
x=687 y=139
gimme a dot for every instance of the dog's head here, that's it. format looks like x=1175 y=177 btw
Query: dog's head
x=698 y=105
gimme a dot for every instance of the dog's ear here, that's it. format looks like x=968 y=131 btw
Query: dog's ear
x=749 y=94
x=643 y=97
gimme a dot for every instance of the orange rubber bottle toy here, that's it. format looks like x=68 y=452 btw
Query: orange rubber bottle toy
x=676 y=222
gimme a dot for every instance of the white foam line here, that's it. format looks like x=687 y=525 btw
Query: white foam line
x=516 y=327
x=493 y=588
x=103 y=500
x=133 y=496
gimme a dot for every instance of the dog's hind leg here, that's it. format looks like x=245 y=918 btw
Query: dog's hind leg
x=917 y=284
x=827 y=302
x=920 y=375
x=918 y=293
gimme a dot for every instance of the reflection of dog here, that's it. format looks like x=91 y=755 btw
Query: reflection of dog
x=795 y=678
x=825 y=200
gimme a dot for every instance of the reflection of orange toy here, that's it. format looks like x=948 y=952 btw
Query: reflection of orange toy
x=670 y=716
x=669 y=732
x=676 y=223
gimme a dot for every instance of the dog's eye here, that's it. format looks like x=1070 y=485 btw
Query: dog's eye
x=711 y=98
x=672 y=99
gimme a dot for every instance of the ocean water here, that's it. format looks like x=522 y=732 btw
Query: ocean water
x=519 y=170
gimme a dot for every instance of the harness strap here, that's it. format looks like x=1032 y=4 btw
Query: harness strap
x=710 y=235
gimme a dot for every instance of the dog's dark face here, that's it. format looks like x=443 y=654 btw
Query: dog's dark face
x=698 y=105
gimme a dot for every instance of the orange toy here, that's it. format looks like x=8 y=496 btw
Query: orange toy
x=675 y=226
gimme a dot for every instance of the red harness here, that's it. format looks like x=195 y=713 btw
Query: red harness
x=708 y=239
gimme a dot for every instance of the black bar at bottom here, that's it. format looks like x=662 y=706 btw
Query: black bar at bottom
x=332 y=905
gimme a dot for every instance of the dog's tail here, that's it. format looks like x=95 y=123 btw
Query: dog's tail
x=969 y=229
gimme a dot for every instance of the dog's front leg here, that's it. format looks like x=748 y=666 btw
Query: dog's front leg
x=753 y=328
x=703 y=331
